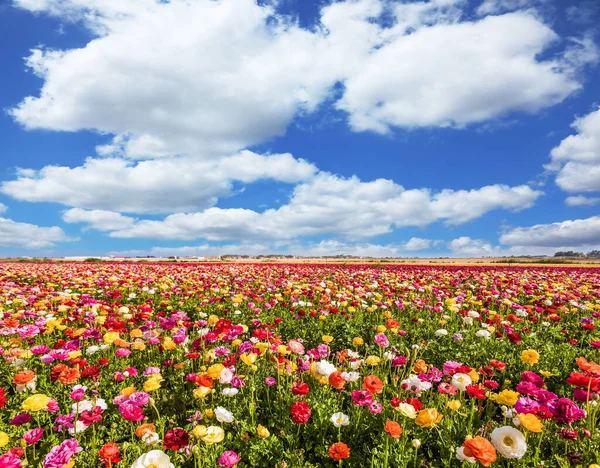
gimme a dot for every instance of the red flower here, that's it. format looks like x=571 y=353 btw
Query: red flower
x=2 y=397
x=416 y=403
x=103 y=361
x=176 y=438
x=300 y=412
x=300 y=389
x=339 y=451
x=395 y=402
x=514 y=337
x=476 y=391
x=109 y=454
x=490 y=384
x=89 y=417
x=90 y=372
x=498 y=365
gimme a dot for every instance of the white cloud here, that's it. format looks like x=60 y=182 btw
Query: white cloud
x=154 y=186
x=577 y=157
x=578 y=233
x=3 y=208
x=216 y=77
x=30 y=236
x=98 y=219
x=580 y=200
x=328 y=204
x=416 y=243
x=466 y=247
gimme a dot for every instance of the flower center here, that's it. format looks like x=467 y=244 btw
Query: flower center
x=508 y=441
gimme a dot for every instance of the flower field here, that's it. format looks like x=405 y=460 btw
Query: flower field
x=182 y=365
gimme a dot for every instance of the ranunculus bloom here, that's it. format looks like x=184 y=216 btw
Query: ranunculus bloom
x=110 y=454
x=60 y=455
x=176 y=439
x=154 y=459
x=33 y=436
x=372 y=384
x=339 y=451
x=428 y=417
x=481 y=449
x=131 y=412
x=393 y=429
x=336 y=380
x=300 y=412
x=509 y=441
x=229 y=458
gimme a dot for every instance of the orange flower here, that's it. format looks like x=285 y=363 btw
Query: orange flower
x=420 y=367
x=481 y=449
x=56 y=370
x=24 y=377
x=121 y=343
x=339 y=451
x=68 y=376
x=144 y=428
x=393 y=429
x=336 y=380
x=372 y=384
x=205 y=381
x=588 y=366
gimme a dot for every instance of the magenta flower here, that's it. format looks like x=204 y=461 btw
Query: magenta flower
x=33 y=436
x=77 y=394
x=382 y=340
x=270 y=381
x=564 y=410
x=131 y=412
x=10 y=460
x=229 y=458
x=60 y=455
x=361 y=397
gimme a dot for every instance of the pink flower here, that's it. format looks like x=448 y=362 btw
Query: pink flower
x=131 y=412
x=450 y=367
x=52 y=406
x=382 y=340
x=33 y=436
x=77 y=394
x=229 y=458
x=61 y=455
x=296 y=347
x=10 y=460
x=375 y=407
x=362 y=397
x=122 y=352
x=564 y=410
x=270 y=381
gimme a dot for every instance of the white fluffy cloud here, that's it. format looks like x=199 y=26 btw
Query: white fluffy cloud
x=580 y=233
x=154 y=186
x=218 y=76
x=577 y=157
x=580 y=200
x=328 y=204
x=29 y=236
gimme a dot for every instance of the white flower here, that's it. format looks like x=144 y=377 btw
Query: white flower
x=509 y=442
x=461 y=381
x=356 y=364
x=324 y=368
x=154 y=459
x=521 y=313
x=483 y=334
x=339 y=420
x=151 y=438
x=350 y=376
x=92 y=349
x=473 y=314
x=223 y=415
x=79 y=427
x=441 y=332
x=225 y=376
x=460 y=454
x=84 y=405
x=415 y=385
x=416 y=443
x=230 y=391
x=468 y=320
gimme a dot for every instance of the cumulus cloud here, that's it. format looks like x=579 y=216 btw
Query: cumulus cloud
x=216 y=77
x=329 y=204
x=580 y=233
x=30 y=236
x=577 y=157
x=580 y=200
x=153 y=186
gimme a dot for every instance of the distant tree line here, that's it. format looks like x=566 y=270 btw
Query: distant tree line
x=571 y=253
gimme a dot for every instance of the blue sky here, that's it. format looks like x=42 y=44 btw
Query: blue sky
x=367 y=127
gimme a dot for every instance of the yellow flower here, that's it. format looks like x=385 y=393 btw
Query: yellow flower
x=282 y=349
x=248 y=359
x=531 y=422
x=74 y=354
x=262 y=346
x=530 y=356
x=351 y=309
x=138 y=346
x=213 y=319
x=136 y=333
x=357 y=341
x=474 y=375
x=327 y=338
x=214 y=371
x=214 y=435
x=454 y=405
x=262 y=432
x=4 y=438
x=209 y=413
x=235 y=343
x=110 y=337
x=199 y=431
x=372 y=360
x=428 y=417
x=201 y=392
x=127 y=391
x=36 y=402
x=153 y=383
x=505 y=397
x=169 y=344
x=547 y=374
x=381 y=328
